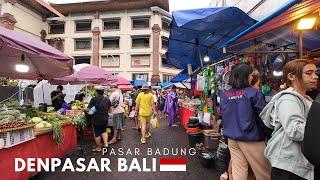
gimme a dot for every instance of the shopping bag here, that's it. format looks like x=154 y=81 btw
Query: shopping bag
x=154 y=122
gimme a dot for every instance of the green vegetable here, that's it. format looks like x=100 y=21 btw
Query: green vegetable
x=79 y=121
x=57 y=132
x=39 y=125
x=31 y=112
x=7 y=117
x=36 y=120
x=13 y=104
x=14 y=113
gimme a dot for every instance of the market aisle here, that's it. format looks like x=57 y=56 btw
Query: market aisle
x=162 y=137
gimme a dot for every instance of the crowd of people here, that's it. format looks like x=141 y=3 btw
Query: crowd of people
x=111 y=106
x=266 y=140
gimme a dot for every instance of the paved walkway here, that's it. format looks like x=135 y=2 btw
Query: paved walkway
x=162 y=137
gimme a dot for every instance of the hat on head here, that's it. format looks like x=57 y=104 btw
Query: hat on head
x=145 y=87
x=114 y=86
x=99 y=88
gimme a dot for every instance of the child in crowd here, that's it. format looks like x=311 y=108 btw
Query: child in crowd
x=132 y=116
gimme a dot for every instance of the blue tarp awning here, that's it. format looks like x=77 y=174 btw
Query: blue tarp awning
x=166 y=84
x=203 y=30
x=137 y=83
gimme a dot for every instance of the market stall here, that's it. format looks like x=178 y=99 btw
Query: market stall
x=43 y=146
x=24 y=131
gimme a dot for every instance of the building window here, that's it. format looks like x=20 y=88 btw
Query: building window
x=56 y=27
x=166 y=25
x=140 y=76
x=164 y=61
x=82 y=60
x=140 y=23
x=140 y=41
x=115 y=74
x=167 y=78
x=111 y=42
x=164 y=42
x=110 y=61
x=111 y=24
x=140 y=60
x=82 y=44
x=83 y=26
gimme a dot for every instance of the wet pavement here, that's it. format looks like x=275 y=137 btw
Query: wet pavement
x=162 y=137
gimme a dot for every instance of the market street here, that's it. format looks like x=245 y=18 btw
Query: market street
x=162 y=137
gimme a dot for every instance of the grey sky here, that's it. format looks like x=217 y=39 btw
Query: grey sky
x=174 y=4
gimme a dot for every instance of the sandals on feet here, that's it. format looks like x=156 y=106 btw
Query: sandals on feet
x=96 y=150
x=148 y=135
x=143 y=141
x=112 y=142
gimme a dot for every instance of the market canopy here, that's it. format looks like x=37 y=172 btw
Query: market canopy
x=204 y=31
x=32 y=57
x=281 y=25
x=84 y=73
x=137 y=83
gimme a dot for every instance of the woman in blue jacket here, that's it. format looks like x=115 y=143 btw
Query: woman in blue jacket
x=240 y=109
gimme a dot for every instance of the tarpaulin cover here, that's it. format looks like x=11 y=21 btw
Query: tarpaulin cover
x=44 y=61
x=137 y=83
x=281 y=25
x=206 y=29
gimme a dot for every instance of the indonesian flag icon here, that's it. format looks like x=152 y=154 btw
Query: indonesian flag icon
x=173 y=164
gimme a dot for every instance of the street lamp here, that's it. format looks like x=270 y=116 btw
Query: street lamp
x=306 y=23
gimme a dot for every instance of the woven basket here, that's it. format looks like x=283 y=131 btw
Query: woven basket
x=40 y=131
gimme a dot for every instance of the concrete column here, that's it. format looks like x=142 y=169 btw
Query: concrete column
x=155 y=53
x=96 y=45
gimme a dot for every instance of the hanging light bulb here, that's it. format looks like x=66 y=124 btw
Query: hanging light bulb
x=206 y=58
x=22 y=68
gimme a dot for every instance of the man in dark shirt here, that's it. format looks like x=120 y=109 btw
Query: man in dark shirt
x=57 y=98
x=99 y=117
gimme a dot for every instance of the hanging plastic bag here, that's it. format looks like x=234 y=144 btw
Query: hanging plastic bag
x=154 y=122
x=200 y=83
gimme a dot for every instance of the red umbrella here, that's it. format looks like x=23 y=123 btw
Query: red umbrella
x=122 y=81
x=87 y=73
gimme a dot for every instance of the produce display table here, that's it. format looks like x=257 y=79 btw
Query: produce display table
x=185 y=114
x=43 y=146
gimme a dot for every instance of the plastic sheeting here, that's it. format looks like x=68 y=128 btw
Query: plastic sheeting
x=42 y=92
x=204 y=31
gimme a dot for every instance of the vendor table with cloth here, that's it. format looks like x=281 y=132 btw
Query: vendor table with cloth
x=43 y=146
